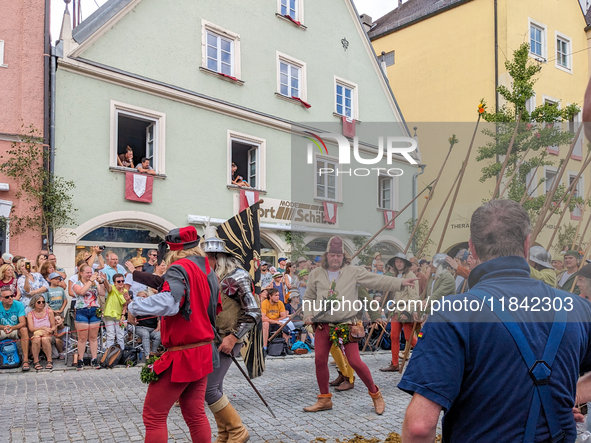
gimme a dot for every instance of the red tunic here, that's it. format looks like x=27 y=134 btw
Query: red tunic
x=189 y=364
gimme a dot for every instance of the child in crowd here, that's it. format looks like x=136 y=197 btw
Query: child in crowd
x=56 y=296
x=59 y=336
x=303 y=282
x=114 y=314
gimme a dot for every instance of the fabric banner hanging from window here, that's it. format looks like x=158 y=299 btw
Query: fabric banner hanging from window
x=348 y=127
x=330 y=212
x=138 y=187
x=389 y=217
x=248 y=198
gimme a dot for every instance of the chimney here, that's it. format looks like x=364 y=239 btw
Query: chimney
x=366 y=21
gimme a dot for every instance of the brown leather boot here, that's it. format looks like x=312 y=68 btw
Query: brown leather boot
x=323 y=403
x=390 y=368
x=216 y=408
x=345 y=386
x=378 y=401
x=337 y=381
x=234 y=428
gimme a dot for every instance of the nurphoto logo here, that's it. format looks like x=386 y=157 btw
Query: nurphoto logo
x=345 y=154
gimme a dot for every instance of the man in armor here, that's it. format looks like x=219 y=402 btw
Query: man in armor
x=240 y=312
x=540 y=266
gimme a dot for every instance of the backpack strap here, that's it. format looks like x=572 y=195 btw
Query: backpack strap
x=540 y=370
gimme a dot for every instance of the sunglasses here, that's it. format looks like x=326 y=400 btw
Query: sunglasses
x=119 y=281
x=40 y=302
x=8 y=297
x=153 y=255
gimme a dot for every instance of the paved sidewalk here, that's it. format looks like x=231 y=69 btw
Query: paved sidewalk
x=106 y=405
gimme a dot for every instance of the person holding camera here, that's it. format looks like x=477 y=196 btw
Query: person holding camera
x=87 y=302
x=29 y=283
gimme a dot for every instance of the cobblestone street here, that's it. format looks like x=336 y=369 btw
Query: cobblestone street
x=106 y=405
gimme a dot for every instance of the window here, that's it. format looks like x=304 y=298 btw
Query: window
x=573 y=126
x=387 y=57
x=326 y=179
x=538 y=44
x=535 y=40
x=292 y=11
x=219 y=54
x=530 y=104
x=563 y=50
x=141 y=130
x=248 y=154
x=289 y=7
x=2 y=65
x=554 y=149
x=531 y=183
x=385 y=193
x=346 y=94
x=550 y=176
x=291 y=77
x=577 y=192
x=220 y=51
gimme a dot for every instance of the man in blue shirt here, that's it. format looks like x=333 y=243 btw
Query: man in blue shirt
x=13 y=322
x=470 y=361
x=113 y=267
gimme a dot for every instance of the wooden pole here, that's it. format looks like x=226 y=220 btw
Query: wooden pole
x=452 y=141
x=386 y=296
x=509 y=149
x=585 y=197
x=526 y=194
x=281 y=328
x=415 y=329
x=453 y=201
x=585 y=230
x=390 y=222
x=583 y=261
x=568 y=190
x=559 y=221
x=550 y=196
x=437 y=216
x=514 y=173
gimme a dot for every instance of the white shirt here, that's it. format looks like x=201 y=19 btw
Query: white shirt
x=134 y=287
x=564 y=278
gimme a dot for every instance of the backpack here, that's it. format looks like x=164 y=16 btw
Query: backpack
x=111 y=357
x=129 y=357
x=277 y=347
x=9 y=356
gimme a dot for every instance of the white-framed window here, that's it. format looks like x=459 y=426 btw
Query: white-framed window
x=386 y=192
x=291 y=77
x=5 y=210
x=531 y=183
x=530 y=104
x=142 y=130
x=563 y=53
x=538 y=40
x=2 y=65
x=573 y=125
x=550 y=177
x=291 y=8
x=220 y=50
x=248 y=153
x=554 y=149
x=326 y=179
x=346 y=98
x=577 y=192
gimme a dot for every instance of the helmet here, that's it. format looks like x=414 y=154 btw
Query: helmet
x=214 y=244
x=401 y=256
x=539 y=255
x=439 y=259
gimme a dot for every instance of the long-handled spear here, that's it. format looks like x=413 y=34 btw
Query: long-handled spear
x=572 y=246
x=585 y=230
x=452 y=141
x=559 y=221
x=527 y=192
x=453 y=201
x=583 y=262
x=509 y=149
x=550 y=195
x=515 y=172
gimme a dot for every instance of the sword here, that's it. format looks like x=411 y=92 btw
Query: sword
x=251 y=384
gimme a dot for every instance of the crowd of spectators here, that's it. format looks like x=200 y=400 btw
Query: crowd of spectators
x=48 y=313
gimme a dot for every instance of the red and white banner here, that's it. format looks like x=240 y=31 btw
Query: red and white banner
x=138 y=187
x=389 y=217
x=330 y=212
x=248 y=198
x=348 y=127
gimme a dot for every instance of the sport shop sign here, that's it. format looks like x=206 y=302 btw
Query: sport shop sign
x=285 y=211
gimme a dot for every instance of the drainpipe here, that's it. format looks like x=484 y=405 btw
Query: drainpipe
x=52 y=130
x=46 y=87
x=414 y=194
x=496 y=68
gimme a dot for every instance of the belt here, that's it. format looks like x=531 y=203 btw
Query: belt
x=189 y=346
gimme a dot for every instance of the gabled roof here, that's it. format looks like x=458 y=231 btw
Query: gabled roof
x=97 y=19
x=587 y=18
x=409 y=13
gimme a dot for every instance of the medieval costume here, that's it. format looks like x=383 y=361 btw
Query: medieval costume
x=188 y=302
x=240 y=312
x=402 y=307
x=330 y=327
x=542 y=269
x=441 y=283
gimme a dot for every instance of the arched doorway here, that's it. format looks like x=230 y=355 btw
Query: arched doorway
x=456 y=248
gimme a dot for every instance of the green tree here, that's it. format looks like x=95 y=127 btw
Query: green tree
x=538 y=129
x=298 y=246
x=566 y=235
x=366 y=256
x=419 y=237
x=48 y=195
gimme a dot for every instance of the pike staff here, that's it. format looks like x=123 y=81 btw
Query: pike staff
x=509 y=149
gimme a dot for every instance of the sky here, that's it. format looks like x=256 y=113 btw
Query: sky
x=373 y=8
